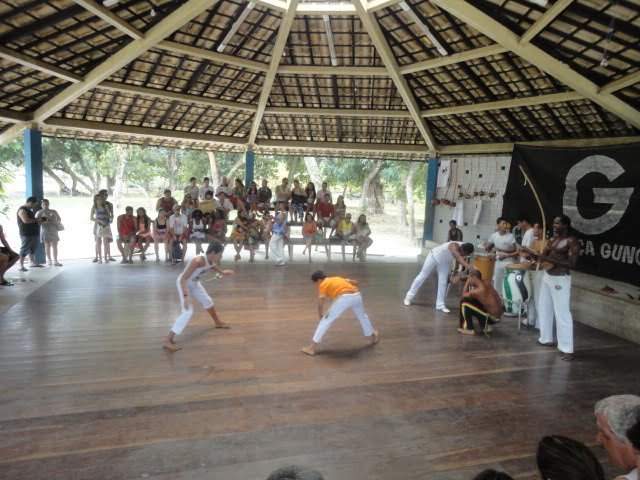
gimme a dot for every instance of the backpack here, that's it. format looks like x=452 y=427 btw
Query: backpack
x=176 y=250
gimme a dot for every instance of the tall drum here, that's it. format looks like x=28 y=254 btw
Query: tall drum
x=485 y=263
x=516 y=287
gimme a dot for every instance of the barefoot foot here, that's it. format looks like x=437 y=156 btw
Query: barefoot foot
x=222 y=325
x=309 y=350
x=172 y=346
x=466 y=332
x=374 y=337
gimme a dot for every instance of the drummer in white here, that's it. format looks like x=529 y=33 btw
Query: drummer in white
x=440 y=258
x=189 y=287
x=503 y=244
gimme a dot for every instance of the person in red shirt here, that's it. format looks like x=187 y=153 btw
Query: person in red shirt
x=127 y=228
x=345 y=295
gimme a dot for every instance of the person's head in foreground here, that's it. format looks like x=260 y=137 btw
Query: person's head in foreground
x=492 y=475
x=214 y=251
x=615 y=416
x=562 y=458
x=318 y=276
x=466 y=249
x=294 y=472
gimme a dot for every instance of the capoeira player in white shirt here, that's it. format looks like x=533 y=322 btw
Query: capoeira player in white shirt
x=189 y=287
x=503 y=244
x=440 y=258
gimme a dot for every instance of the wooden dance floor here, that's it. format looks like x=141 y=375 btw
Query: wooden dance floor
x=88 y=392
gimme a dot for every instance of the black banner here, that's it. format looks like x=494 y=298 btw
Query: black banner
x=598 y=188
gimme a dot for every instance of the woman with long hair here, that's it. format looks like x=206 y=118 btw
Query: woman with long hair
x=198 y=230
x=188 y=205
x=311 y=198
x=252 y=197
x=562 y=458
x=238 y=194
x=102 y=216
x=217 y=229
x=144 y=232
x=363 y=237
x=309 y=230
x=161 y=234
x=49 y=231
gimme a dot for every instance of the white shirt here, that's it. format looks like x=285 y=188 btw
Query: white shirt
x=178 y=223
x=193 y=191
x=221 y=188
x=442 y=254
x=198 y=272
x=502 y=242
x=527 y=238
x=632 y=475
x=204 y=189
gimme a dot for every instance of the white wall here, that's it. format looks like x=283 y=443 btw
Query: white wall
x=465 y=177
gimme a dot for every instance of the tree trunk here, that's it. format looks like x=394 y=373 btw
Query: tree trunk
x=375 y=201
x=367 y=183
x=408 y=188
x=292 y=169
x=314 y=171
x=53 y=175
x=402 y=214
x=66 y=168
x=98 y=180
x=87 y=173
x=173 y=168
x=118 y=188
x=232 y=171
x=111 y=181
x=213 y=165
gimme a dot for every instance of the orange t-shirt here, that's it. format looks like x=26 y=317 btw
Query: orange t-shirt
x=309 y=228
x=333 y=287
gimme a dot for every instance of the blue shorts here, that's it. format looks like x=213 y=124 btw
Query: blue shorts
x=29 y=244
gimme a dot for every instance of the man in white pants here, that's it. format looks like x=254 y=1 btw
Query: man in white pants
x=440 y=258
x=503 y=244
x=555 y=291
x=345 y=295
x=189 y=287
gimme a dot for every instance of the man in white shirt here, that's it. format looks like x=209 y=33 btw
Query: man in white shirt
x=615 y=416
x=177 y=225
x=224 y=187
x=527 y=232
x=192 y=189
x=440 y=258
x=503 y=244
x=206 y=187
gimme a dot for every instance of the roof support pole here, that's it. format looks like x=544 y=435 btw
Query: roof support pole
x=249 y=162
x=429 y=208
x=373 y=29
x=33 y=172
x=493 y=29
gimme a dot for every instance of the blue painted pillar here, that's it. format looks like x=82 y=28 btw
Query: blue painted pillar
x=34 y=174
x=429 y=209
x=248 y=167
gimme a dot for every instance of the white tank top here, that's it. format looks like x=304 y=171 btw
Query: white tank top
x=198 y=272
x=632 y=475
x=442 y=252
x=198 y=227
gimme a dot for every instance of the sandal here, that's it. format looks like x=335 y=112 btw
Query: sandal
x=6 y=283
x=95 y=260
x=22 y=269
x=57 y=264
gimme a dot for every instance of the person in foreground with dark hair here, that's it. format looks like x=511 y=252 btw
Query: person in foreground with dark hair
x=555 y=292
x=189 y=287
x=345 y=295
x=440 y=258
x=562 y=458
x=492 y=475
x=480 y=301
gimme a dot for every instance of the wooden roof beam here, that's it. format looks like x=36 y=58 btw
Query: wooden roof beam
x=342 y=146
x=375 y=5
x=216 y=57
x=11 y=116
x=338 y=112
x=176 y=96
x=144 y=132
x=172 y=22
x=507 y=147
x=481 y=52
x=276 y=56
x=621 y=83
x=12 y=132
x=111 y=18
x=331 y=70
x=41 y=66
x=546 y=18
x=277 y=5
x=373 y=29
x=512 y=103
x=488 y=26
x=325 y=8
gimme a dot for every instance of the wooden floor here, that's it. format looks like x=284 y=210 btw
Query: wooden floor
x=87 y=392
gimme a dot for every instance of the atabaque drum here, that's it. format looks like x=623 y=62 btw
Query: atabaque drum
x=485 y=263
x=516 y=287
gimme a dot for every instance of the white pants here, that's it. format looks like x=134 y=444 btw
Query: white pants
x=443 y=275
x=554 y=301
x=339 y=305
x=532 y=312
x=498 y=273
x=277 y=249
x=196 y=292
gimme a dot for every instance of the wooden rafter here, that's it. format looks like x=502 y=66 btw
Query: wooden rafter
x=40 y=65
x=11 y=116
x=111 y=18
x=375 y=5
x=375 y=33
x=338 y=112
x=546 y=18
x=486 y=25
x=453 y=58
x=325 y=8
x=621 y=83
x=276 y=56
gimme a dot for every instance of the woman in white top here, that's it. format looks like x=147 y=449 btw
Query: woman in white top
x=49 y=231
x=198 y=229
x=189 y=287
x=177 y=225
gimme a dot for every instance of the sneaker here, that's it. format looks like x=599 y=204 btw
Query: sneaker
x=111 y=259
x=95 y=260
x=443 y=310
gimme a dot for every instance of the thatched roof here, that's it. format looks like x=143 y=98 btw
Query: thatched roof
x=232 y=74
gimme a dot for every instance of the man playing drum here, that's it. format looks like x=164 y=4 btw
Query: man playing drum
x=555 y=293
x=440 y=258
x=480 y=301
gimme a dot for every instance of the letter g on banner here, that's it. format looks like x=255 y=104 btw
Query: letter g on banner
x=618 y=198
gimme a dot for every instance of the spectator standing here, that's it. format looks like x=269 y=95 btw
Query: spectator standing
x=252 y=197
x=278 y=238
x=49 y=231
x=193 y=190
x=204 y=188
x=323 y=192
x=224 y=187
x=102 y=217
x=281 y=203
x=8 y=259
x=298 y=202
x=311 y=198
x=29 y=228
